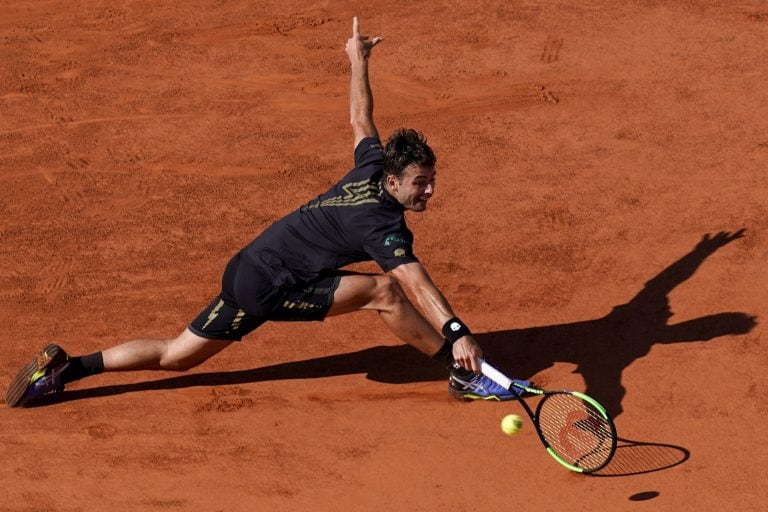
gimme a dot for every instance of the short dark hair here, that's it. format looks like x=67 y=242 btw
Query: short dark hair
x=405 y=147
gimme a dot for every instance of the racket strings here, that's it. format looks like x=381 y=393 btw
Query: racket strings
x=576 y=430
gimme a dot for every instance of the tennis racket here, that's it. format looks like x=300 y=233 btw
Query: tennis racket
x=574 y=428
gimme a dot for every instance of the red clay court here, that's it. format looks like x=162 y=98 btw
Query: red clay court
x=585 y=150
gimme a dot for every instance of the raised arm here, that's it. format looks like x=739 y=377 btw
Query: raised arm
x=360 y=97
x=436 y=309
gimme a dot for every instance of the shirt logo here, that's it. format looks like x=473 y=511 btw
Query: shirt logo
x=400 y=252
x=391 y=239
x=355 y=194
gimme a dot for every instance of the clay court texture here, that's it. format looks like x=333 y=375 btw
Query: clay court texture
x=585 y=150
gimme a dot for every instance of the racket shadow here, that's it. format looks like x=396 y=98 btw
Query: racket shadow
x=638 y=457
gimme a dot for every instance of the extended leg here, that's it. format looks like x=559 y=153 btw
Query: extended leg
x=53 y=367
x=179 y=354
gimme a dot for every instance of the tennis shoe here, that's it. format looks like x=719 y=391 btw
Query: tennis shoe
x=480 y=387
x=41 y=376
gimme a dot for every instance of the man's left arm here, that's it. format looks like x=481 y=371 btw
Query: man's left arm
x=438 y=311
x=360 y=96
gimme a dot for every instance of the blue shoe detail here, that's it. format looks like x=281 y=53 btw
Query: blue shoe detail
x=40 y=377
x=48 y=382
x=480 y=387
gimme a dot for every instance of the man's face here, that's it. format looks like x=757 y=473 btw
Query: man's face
x=415 y=188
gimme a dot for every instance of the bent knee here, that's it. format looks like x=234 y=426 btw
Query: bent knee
x=389 y=294
x=182 y=354
x=175 y=362
x=176 y=365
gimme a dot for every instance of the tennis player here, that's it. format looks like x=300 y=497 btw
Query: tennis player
x=290 y=272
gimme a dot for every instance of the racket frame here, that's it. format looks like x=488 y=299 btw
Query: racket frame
x=507 y=383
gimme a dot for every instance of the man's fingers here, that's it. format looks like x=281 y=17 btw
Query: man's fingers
x=360 y=37
x=470 y=363
x=368 y=39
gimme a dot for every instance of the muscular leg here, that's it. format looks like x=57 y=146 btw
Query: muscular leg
x=182 y=353
x=355 y=292
x=382 y=293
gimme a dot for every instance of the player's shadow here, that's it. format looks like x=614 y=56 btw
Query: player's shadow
x=601 y=348
x=604 y=347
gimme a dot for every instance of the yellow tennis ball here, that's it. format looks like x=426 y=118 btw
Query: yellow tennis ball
x=511 y=424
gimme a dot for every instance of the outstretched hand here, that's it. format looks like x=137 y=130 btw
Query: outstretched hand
x=720 y=239
x=359 y=46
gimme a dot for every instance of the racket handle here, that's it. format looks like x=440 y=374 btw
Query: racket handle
x=495 y=375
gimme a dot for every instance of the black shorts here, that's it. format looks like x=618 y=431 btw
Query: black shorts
x=249 y=298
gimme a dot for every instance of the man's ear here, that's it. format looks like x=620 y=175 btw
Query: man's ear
x=391 y=182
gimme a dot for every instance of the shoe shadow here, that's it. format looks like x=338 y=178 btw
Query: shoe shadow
x=601 y=348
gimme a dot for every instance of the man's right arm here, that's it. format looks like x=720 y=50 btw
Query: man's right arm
x=360 y=96
x=437 y=311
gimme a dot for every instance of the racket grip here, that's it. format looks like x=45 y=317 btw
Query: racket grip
x=495 y=375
